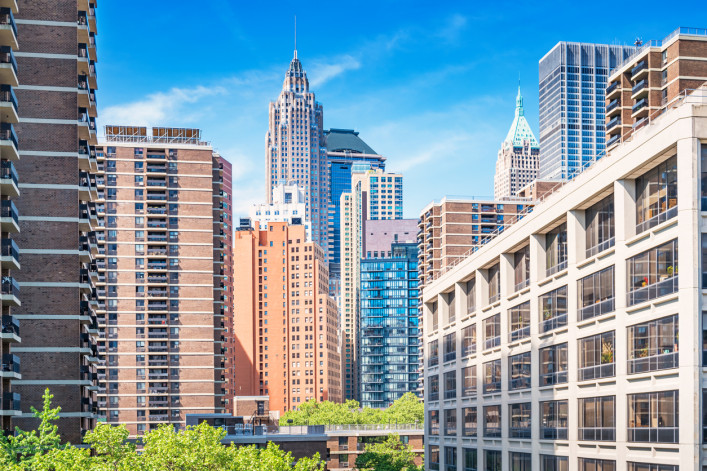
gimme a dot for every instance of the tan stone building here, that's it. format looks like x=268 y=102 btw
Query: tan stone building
x=286 y=324
x=659 y=73
x=160 y=249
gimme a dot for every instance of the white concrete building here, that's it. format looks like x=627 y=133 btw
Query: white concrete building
x=289 y=204
x=571 y=342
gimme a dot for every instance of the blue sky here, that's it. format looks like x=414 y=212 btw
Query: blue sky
x=430 y=85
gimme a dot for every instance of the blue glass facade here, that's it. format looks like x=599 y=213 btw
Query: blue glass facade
x=573 y=79
x=389 y=349
x=339 y=183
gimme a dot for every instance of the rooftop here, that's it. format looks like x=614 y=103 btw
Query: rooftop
x=520 y=129
x=346 y=140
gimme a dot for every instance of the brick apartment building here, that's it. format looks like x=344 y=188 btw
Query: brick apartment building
x=9 y=182
x=652 y=77
x=57 y=208
x=162 y=243
x=286 y=325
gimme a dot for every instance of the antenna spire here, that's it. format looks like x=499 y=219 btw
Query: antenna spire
x=295 y=36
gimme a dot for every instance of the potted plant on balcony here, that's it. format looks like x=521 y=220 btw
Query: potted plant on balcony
x=607 y=353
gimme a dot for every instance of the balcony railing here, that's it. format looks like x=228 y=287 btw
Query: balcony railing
x=10 y=363
x=596 y=309
x=612 y=104
x=662 y=361
x=492 y=342
x=553 y=433
x=11 y=401
x=639 y=86
x=642 y=103
x=7 y=132
x=597 y=371
x=654 y=434
x=615 y=121
x=7 y=18
x=656 y=290
x=7 y=95
x=553 y=323
x=611 y=88
x=519 y=334
x=10 y=286
x=597 y=433
x=639 y=67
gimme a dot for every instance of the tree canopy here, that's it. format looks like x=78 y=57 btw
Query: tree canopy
x=164 y=449
x=390 y=455
x=408 y=409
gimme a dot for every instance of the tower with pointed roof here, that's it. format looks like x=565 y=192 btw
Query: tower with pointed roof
x=517 y=163
x=294 y=148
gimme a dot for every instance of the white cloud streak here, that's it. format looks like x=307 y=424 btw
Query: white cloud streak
x=322 y=72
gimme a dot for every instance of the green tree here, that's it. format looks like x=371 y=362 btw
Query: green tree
x=408 y=409
x=111 y=449
x=390 y=455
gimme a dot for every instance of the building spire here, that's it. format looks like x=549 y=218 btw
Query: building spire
x=519 y=102
x=295 y=36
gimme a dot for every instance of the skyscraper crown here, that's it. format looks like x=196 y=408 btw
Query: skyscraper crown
x=520 y=129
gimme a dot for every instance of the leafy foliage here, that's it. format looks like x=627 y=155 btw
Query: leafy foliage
x=164 y=449
x=390 y=455
x=406 y=410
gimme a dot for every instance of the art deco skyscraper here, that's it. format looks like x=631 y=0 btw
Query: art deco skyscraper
x=573 y=80
x=517 y=163
x=294 y=150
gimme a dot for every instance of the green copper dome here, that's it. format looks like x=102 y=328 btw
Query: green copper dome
x=520 y=129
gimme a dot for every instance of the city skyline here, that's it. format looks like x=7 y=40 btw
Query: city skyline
x=364 y=81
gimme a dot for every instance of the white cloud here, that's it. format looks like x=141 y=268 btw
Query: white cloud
x=158 y=108
x=323 y=72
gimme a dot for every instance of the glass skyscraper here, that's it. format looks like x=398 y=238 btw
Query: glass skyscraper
x=344 y=151
x=389 y=326
x=573 y=79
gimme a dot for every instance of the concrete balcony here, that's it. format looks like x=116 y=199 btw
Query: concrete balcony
x=9 y=219
x=9 y=180
x=10 y=330
x=10 y=291
x=10 y=255
x=8 y=28
x=613 y=90
x=8 y=104
x=8 y=142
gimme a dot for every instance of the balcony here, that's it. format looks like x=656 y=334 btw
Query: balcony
x=87 y=125
x=8 y=66
x=10 y=366
x=613 y=122
x=613 y=107
x=9 y=181
x=10 y=329
x=10 y=404
x=8 y=104
x=10 y=254
x=8 y=142
x=640 y=89
x=615 y=139
x=613 y=90
x=640 y=69
x=9 y=219
x=8 y=28
x=640 y=109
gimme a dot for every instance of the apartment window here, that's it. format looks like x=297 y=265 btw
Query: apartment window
x=450 y=384
x=433 y=416
x=469 y=414
x=469 y=340
x=653 y=345
x=553 y=309
x=434 y=388
x=653 y=273
x=519 y=461
x=653 y=417
x=435 y=315
x=434 y=457
x=492 y=459
x=519 y=321
x=657 y=195
x=521 y=268
x=450 y=422
x=520 y=420
x=596 y=356
x=591 y=464
x=434 y=353
x=450 y=458
x=519 y=371
x=554 y=463
x=553 y=425
x=652 y=467
x=450 y=347
x=470 y=459
x=599 y=219
x=553 y=365
x=470 y=295
x=469 y=381
x=704 y=250
x=492 y=331
x=704 y=339
x=451 y=308
x=596 y=294
x=704 y=416
x=492 y=376
x=494 y=277
x=597 y=418
x=556 y=249
x=492 y=421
